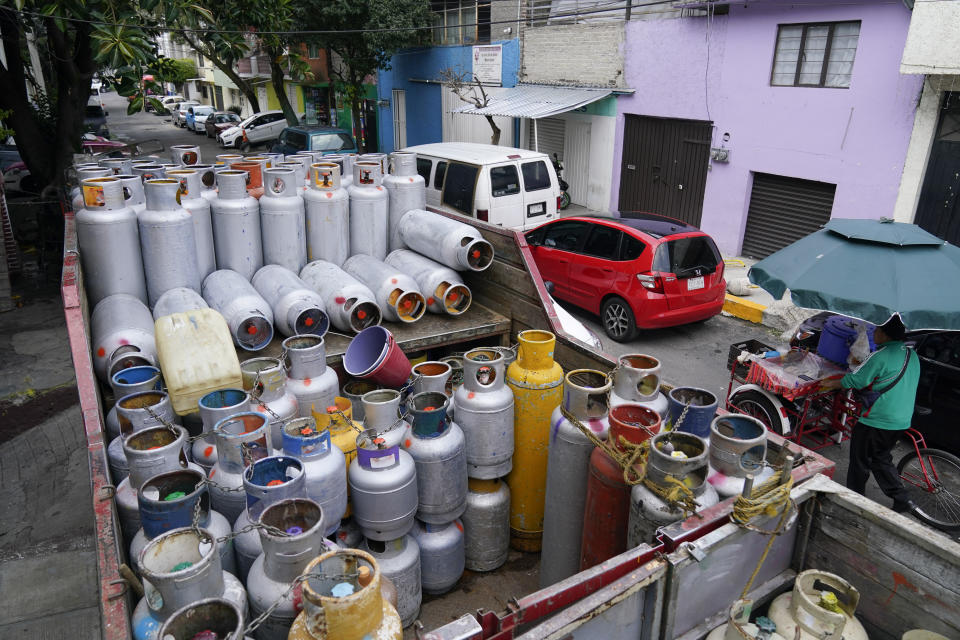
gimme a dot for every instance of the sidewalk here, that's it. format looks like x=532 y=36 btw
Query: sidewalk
x=750 y=302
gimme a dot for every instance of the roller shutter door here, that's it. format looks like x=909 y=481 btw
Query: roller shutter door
x=550 y=134
x=783 y=210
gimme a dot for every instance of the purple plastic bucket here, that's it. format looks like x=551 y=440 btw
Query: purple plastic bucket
x=374 y=354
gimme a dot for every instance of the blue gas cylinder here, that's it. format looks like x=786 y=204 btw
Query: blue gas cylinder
x=838 y=334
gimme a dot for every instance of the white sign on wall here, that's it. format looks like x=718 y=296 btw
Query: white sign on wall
x=487 y=63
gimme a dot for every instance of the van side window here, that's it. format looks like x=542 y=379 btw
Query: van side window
x=423 y=168
x=504 y=181
x=459 y=187
x=438 y=177
x=535 y=176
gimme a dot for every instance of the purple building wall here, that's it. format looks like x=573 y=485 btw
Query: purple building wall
x=719 y=70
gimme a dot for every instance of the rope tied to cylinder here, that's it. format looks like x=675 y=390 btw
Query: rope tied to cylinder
x=633 y=454
x=676 y=494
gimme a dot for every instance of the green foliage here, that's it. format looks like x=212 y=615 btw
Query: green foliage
x=235 y=109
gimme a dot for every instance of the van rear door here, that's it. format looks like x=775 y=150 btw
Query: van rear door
x=540 y=191
x=459 y=188
x=506 y=197
x=435 y=186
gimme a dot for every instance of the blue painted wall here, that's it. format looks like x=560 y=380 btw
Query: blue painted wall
x=424 y=122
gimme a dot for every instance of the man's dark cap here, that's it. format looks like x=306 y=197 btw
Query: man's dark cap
x=894 y=328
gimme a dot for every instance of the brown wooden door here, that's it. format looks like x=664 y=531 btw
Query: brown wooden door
x=664 y=166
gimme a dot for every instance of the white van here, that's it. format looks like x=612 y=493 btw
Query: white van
x=509 y=187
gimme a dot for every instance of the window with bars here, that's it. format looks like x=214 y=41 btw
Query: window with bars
x=815 y=55
x=461 y=21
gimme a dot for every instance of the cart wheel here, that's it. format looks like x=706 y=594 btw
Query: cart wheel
x=759 y=406
x=938 y=501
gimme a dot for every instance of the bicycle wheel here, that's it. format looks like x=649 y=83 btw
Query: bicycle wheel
x=938 y=504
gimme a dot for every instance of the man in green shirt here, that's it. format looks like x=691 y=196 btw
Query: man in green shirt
x=879 y=428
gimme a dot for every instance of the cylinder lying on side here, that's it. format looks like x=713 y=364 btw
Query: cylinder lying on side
x=177 y=300
x=443 y=287
x=455 y=244
x=247 y=314
x=297 y=309
x=396 y=293
x=121 y=335
x=350 y=304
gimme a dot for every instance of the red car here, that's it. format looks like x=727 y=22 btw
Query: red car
x=635 y=270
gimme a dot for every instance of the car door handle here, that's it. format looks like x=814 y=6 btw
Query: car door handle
x=563 y=261
x=605 y=270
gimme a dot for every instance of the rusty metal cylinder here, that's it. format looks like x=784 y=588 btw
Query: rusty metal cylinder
x=297 y=309
x=350 y=304
x=247 y=314
x=108 y=237
x=443 y=287
x=486 y=524
x=167 y=241
x=210 y=615
x=135 y=412
x=369 y=211
x=178 y=300
x=282 y=220
x=190 y=196
x=397 y=294
x=236 y=225
x=406 y=189
x=121 y=335
x=455 y=244
x=327 y=207
x=254 y=166
x=485 y=412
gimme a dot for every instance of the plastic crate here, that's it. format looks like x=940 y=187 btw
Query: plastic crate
x=753 y=346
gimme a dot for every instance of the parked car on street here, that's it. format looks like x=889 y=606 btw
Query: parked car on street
x=180 y=113
x=167 y=101
x=636 y=270
x=314 y=138
x=98 y=144
x=219 y=121
x=95 y=118
x=257 y=129
x=197 y=115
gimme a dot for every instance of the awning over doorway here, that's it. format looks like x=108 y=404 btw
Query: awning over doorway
x=537 y=101
x=933 y=41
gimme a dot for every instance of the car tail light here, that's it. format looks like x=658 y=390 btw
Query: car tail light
x=483 y=214
x=651 y=281
x=723 y=267
x=559 y=202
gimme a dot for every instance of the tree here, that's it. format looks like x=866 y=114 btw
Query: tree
x=388 y=26
x=472 y=93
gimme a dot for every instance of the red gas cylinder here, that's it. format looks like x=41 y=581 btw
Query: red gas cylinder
x=608 y=496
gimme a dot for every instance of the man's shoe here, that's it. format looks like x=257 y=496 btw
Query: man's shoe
x=907 y=506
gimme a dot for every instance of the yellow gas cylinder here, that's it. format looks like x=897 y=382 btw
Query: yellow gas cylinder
x=814 y=607
x=536 y=381
x=343 y=601
x=338 y=418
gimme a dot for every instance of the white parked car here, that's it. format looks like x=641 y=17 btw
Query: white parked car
x=180 y=114
x=258 y=128
x=168 y=102
x=200 y=115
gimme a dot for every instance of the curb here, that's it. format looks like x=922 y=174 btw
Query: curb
x=744 y=309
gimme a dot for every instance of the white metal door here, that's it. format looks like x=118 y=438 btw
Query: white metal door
x=262 y=97
x=576 y=160
x=546 y=136
x=399 y=118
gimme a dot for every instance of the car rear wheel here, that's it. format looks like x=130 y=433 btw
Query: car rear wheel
x=618 y=321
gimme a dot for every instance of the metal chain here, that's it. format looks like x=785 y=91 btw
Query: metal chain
x=683 y=415
x=303 y=577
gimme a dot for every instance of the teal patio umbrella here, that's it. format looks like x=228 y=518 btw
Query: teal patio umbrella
x=869 y=269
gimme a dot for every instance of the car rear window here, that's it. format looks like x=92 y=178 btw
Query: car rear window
x=459 y=186
x=330 y=142
x=504 y=181
x=535 y=176
x=423 y=168
x=438 y=177
x=294 y=139
x=684 y=256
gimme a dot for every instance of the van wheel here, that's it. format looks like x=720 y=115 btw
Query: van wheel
x=618 y=321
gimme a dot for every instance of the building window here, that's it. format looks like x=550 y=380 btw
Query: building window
x=313 y=51
x=815 y=55
x=461 y=21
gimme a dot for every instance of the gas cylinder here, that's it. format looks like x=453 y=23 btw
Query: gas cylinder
x=299 y=166
x=214 y=407
x=83 y=172
x=242 y=439
x=247 y=314
x=169 y=501
x=431 y=376
x=485 y=413
x=381 y=159
x=486 y=524
x=586 y=395
x=166 y=241
x=396 y=293
x=121 y=329
x=236 y=225
x=535 y=380
x=327 y=215
x=456 y=371
x=697 y=408
x=354 y=390
x=677 y=455
x=821 y=605
x=109 y=242
x=764 y=629
x=607 y=509
x=227 y=158
x=178 y=300
x=133 y=195
x=443 y=287
x=154 y=171
x=297 y=309
x=383 y=488
x=441 y=555
x=406 y=189
x=282 y=220
x=136 y=412
x=208 y=182
x=126 y=382
x=343 y=429
x=253 y=166
x=265 y=379
x=191 y=191
x=349 y=535
x=209 y=615
x=636 y=380
x=265 y=482
x=455 y=244
x=438 y=447
x=369 y=211
x=148 y=452
x=738 y=447
x=324 y=466
x=283 y=559
x=349 y=303
x=344 y=601
x=381 y=410
x=314 y=384
x=180 y=567
x=185 y=154
x=117 y=166
x=399 y=561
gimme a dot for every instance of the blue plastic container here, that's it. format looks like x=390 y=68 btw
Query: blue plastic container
x=838 y=334
x=703 y=407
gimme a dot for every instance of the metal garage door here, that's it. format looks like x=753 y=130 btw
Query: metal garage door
x=783 y=210
x=550 y=135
